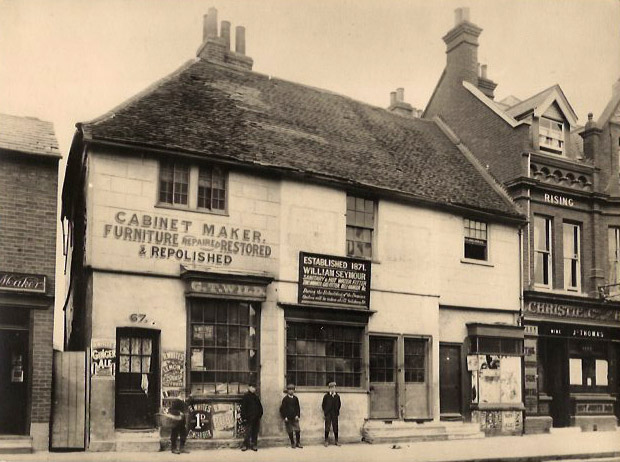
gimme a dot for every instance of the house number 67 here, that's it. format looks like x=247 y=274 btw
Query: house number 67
x=137 y=317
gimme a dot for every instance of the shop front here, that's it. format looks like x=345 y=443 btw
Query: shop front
x=572 y=364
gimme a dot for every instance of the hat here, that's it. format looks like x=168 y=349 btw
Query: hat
x=289 y=386
x=331 y=384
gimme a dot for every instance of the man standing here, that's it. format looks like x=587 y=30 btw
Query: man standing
x=331 y=411
x=291 y=413
x=251 y=413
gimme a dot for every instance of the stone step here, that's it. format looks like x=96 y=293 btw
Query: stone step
x=15 y=444
x=399 y=431
x=138 y=441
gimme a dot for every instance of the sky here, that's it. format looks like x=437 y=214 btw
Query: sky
x=70 y=61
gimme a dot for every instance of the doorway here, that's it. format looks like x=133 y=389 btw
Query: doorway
x=13 y=381
x=137 y=378
x=557 y=383
x=399 y=377
x=450 y=380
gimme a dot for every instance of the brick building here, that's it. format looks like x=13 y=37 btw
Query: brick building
x=28 y=194
x=231 y=227
x=566 y=178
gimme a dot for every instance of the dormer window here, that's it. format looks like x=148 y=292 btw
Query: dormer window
x=551 y=135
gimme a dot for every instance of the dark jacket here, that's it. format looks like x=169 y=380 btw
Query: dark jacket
x=331 y=405
x=251 y=408
x=178 y=407
x=289 y=409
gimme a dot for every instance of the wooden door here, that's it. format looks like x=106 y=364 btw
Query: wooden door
x=13 y=381
x=69 y=410
x=383 y=378
x=416 y=379
x=137 y=378
x=558 y=384
x=450 y=379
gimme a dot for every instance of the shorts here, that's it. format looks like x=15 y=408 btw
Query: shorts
x=292 y=426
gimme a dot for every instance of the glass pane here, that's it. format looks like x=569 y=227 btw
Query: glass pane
x=147 y=346
x=146 y=364
x=124 y=345
x=123 y=365
x=135 y=346
x=135 y=364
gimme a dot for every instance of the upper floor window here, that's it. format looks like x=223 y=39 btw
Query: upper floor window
x=360 y=226
x=613 y=276
x=211 y=188
x=551 y=135
x=542 y=250
x=173 y=183
x=572 y=257
x=475 y=239
x=190 y=186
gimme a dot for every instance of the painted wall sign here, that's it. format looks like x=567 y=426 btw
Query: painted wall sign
x=173 y=369
x=557 y=199
x=166 y=238
x=567 y=311
x=578 y=331
x=327 y=279
x=103 y=358
x=231 y=290
x=19 y=282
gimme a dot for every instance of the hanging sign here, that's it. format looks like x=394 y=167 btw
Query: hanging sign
x=326 y=279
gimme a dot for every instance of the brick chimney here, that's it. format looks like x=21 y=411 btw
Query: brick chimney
x=216 y=47
x=462 y=53
x=400 y=107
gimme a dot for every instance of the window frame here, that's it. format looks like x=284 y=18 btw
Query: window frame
x=572 y=258
x=174 y=164
x=224 y=179
x=599 y=352
x=365 y=226
x=547 y=146
x=469 y=221
x=545 y=251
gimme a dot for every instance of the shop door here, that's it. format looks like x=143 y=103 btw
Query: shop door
x=416 y=380
x=557 y=376
x=137 y=378
x=383 y=377
x=13 y=381
x=449 y=379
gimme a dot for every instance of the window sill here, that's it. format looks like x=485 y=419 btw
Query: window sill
x=473 y=261
x=340 y=391
x=187 y=209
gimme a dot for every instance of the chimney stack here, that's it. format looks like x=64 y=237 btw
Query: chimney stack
x=400 y=107
x=216 y=48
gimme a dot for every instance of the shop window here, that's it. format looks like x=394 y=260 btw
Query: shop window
x=542 y=250
x=317 y=353
x=475 y=239
x=572 y=256
x=613 y=277
x=202 y=188
x=223 y=346
x=551 y=135
x=173 y=183
x=588 y=366
x=360 y=226
x=211 y=188
x=497 y=345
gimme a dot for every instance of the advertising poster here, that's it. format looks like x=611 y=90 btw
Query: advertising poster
x=103 y=358
x=173 y=369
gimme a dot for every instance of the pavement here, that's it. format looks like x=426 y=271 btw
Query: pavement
x=563 y=446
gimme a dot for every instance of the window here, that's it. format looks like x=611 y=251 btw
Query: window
x=223 y=346
x=382 y=357
x=360 y=226
x=497 y=345
x=211 y=188
x=542 y=250
x=614 y=260
x=572 y=265
x=475 y=239
x=588 y=366
x=415 y=360
x=551 y=135
x=135 y=355
x=317 y=353
x=173 y=183
x=201 y=187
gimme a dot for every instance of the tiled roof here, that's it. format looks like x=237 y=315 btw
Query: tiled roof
x=216 y=111
x=28 y=135
x=530 y=103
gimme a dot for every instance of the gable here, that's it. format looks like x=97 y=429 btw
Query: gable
x=554 y=112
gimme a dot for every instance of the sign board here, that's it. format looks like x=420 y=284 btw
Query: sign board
x=103 y=358
x=332 y=280
x=19 y=282
x=229 y=290
x=558 y=310
x=173 y=369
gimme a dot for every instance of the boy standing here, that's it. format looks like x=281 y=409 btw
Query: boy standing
x=180 y=409
x=251 y=413
x=291 y=412
x=331 y=411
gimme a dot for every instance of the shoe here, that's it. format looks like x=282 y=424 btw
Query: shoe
x=254 y=448
x=184 y=451
x=299 y=445
x=244 y=448
x=326 y=443
x=176 y=451
x=337 y=443
x=293 y=445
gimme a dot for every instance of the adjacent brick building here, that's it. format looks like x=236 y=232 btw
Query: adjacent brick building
x=566 y=178
x=230 y=227
x=29 y=158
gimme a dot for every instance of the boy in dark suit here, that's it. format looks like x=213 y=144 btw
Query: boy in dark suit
x=291 y=412
x=179 y=408
x=251 y=413
x=331 y=411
